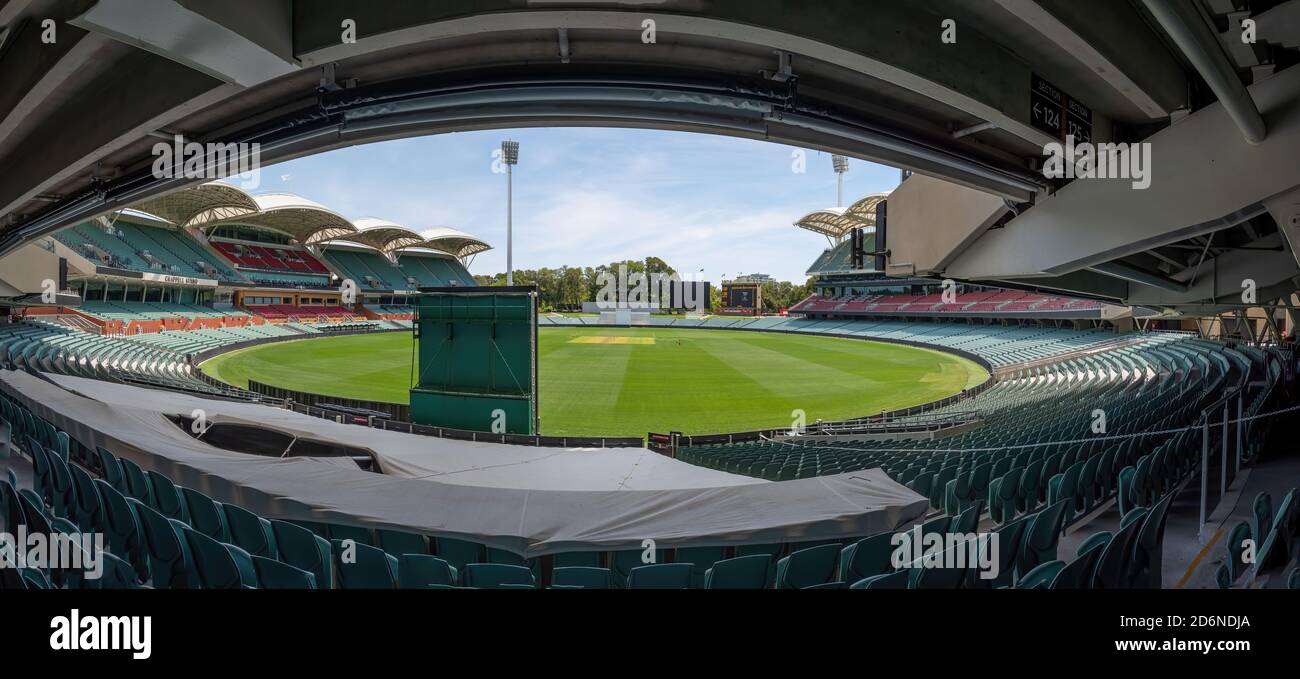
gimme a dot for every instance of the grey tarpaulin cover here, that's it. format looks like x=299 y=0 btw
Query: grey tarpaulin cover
x=529 y=500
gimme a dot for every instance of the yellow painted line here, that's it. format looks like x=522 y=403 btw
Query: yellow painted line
x=1191 y=568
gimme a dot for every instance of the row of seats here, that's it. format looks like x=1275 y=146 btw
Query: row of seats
x=148 y=311
x=145 y=248
x=1000 y=345
x=1139 y=388
x=38 y=346
x=1275 y=536
x=268 y=258
x=999 y=302
x=164 y=535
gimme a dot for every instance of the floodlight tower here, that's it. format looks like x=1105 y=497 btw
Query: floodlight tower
x=510 y=156
x=841 y=165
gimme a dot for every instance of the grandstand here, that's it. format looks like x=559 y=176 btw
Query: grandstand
x=1016 y=456
x=1032 y=470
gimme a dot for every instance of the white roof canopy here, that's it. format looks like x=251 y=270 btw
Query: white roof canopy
x=214 y=204
x=389 y=237
x=300 y=218
x=837 y=222
x=452 y=241
x=200 y=204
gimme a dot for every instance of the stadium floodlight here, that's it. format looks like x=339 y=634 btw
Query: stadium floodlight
x=841 y=165
x=510 y=156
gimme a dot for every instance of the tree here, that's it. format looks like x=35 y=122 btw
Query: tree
x=569 y=287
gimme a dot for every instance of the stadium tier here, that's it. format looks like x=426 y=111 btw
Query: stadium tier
x=369 y=270
x=1032 y=467
x=835 y=259
x=1009 y=302
x=372 y=271
x=1000 y=345
x=264 y=258
x=433 y=271
x=126 y=245
x=163 y=534
x=130 y=311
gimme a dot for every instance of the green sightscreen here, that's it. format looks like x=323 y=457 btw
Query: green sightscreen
x=477 y=352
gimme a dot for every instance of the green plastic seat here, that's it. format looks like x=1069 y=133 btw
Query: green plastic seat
x=1148 y=547
x=497 y=576
x=122 y=528
x=1236 y=546
x=660 y=576
x=753 y=571
x=1009 y=538
x=166 y=498
x=249 y=531
x=63 y=490
x=171 y=565
x=41 y=468
x=808 y=567
x=867 y=557
x=1113 y=566
x=968 y=520
x=1041 y=576
x=1222 y=578
x=137 y=484
x=87 y=511
x=206 y=515
x=116 y=574
x=361 y=566
x=621 y=563
x=301 y=548
x=459 y=553
x=272 y=574
x=1042 y=535
x=418 y=571
x=1078 y=573
x=895 y=580
x=111 y=469
x=220 y=565
x=1278 y=545
x=581 y=577
x=398 y=542
x=700 y=559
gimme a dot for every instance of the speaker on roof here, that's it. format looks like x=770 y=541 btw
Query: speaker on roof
x=855 y=244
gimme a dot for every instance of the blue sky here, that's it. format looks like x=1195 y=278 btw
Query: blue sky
x=588 y=196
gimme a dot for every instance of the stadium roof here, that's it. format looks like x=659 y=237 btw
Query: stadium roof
x=838 y=221
x=452 y=241
x=200 y=204
x=388 y=237
x=213 y=204
x=865 y=208
x=301 y=218
x=382 y=235
x=833 y=221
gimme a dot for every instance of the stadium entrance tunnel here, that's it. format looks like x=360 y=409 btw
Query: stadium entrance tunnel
x=268 y=442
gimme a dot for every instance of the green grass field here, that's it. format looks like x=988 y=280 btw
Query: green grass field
x=627 y=381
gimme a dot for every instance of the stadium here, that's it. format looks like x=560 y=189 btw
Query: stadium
x=1029 y=381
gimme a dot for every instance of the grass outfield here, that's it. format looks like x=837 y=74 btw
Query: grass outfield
x=627 y=381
